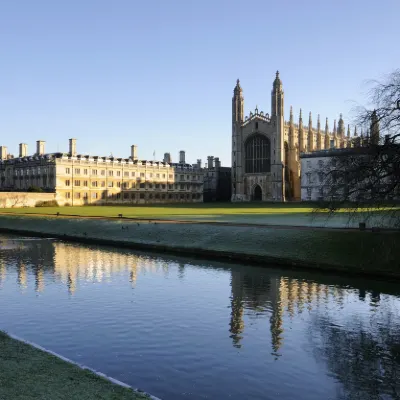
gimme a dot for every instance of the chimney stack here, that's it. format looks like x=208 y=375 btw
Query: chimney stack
x=199 y=163
x=3 y=153
x=167 y=158
x=40 y=147
x=182 y=157
x=23 y=150
x=217 y=163
x=72 y=147
x=134 y=156
x=210 y=163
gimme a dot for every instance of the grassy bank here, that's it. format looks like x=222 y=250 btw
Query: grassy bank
x=29 y=373
x=352 y=251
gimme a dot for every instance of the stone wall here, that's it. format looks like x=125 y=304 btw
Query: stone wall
x=23 y=199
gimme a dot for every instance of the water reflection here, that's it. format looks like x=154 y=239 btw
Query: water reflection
x=354 y=331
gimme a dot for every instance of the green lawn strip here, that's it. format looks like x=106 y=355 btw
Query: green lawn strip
x=201 y=211
x=29 y=373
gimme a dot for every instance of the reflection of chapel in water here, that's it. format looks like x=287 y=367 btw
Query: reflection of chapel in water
x=276 y=296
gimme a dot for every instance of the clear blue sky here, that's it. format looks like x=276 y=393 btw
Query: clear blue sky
x=160 y=73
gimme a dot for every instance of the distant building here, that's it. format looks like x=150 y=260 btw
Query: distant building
x=84 y=179
x=266 y=148
x=217 y=181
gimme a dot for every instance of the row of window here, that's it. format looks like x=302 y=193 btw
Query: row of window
x=126 y=174
x=132 y=196
x=131 y=185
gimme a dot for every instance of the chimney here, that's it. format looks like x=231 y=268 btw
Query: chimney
x=72 y=147
x=40 y=147
x=210 y=163
x=23 y=150
x=182 y=157
x=3 y=153
x=134 y=156
x=167 y=158
x=199 y=163
x=217 y=163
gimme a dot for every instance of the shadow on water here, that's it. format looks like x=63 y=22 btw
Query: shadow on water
x=352 y=325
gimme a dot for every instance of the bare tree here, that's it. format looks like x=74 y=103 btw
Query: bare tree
x=367 y=175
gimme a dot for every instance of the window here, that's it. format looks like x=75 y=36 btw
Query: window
x=126 y=185
x=182 y=177
x=170 y=196
x=126 y=173
x=103 y=184
x=256 y=125
x=118 y=196
x=141 y=195
x=308 y=177
x=67 y=170
x=94 y=183
x=170 y=187
x=157 y=175
x=309 y=194
x=150 y=186
x=157 y=185
x=181 y=186
x=67 y=195
x=77 y=170
x=142 y=186
x=77 y=195
x=77 y=183
x=103 y=172
x=157 y=196
x=142 y=174
x=85 y=183
x=258 y=154
x=103 y=195
x=163 y=175
x=110 y=173
x=110 y=184
x=151 y=175
x=133 y=173
x=94 y=171
x=94 y=195
x=170 y=176
x=163 y=186
x=118 y=173
x=119 y=184
x=188 y=187
x=85 y=172
x=85 y=195
x=67 y=182
x=188 y=177
x=133 y=196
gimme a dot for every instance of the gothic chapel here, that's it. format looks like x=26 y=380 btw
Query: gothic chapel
x=266 y=149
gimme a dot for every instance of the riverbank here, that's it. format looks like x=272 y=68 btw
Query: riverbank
x=350 y=251
x=28 y=372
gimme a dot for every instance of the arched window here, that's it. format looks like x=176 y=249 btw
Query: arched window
x=258 y=154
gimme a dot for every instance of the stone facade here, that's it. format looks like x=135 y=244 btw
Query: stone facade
x=266 y=148
x=84 y=179
x=217 y=181
x=24 y=199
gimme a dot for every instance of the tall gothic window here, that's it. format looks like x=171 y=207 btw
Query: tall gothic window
x=258 y=154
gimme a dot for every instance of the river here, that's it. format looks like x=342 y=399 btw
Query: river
x=183 y=328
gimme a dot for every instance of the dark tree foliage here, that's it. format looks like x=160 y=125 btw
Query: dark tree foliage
x=367 y=175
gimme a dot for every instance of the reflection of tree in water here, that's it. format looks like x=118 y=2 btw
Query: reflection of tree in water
x=365 y=359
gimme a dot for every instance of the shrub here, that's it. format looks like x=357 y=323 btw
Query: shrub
x=35 y=189
x=48 y=203
x=67 y=204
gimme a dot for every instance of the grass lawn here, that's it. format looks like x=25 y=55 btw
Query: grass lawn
x=28 y=373
x=269 y=213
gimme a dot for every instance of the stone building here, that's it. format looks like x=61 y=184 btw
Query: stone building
x=84 y=179
x=266 y=148
x=217 y=181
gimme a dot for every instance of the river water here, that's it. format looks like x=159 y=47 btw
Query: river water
x=183 y=328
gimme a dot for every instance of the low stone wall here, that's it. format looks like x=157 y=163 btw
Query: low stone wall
x=350 y=251
x=23 y=199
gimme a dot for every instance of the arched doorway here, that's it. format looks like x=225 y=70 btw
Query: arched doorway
x=257 y=193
